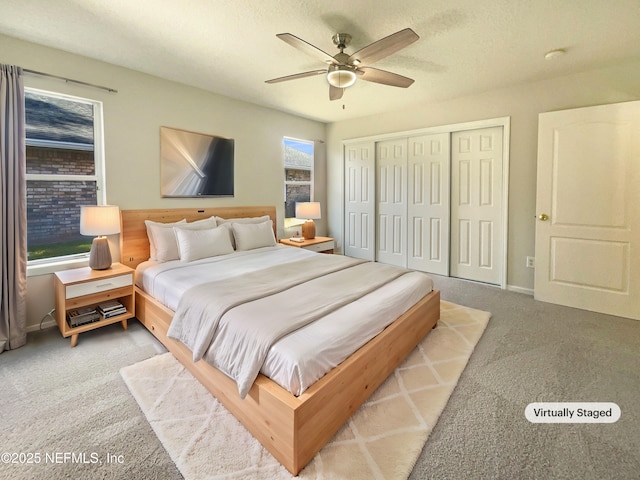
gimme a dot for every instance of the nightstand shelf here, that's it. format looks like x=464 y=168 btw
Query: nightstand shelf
x=84 y=287
x=317 y=244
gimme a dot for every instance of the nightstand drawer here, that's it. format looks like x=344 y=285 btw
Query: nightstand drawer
x=97 y=286
x=320 y=247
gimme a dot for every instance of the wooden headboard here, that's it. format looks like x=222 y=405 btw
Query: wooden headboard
x=134 y=244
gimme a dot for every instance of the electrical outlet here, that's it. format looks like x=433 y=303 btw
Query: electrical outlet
x=531 y=262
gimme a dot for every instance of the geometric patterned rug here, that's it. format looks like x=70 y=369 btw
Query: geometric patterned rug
x=382 y=440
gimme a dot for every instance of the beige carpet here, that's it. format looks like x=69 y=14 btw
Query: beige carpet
x=382 y=440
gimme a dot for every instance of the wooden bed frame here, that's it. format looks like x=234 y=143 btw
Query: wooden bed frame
x=292 y=428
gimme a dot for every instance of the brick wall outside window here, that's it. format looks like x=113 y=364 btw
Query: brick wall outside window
x=60 y=161
x=53 y=207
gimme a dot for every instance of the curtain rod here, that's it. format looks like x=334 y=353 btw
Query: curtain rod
x=69 y=80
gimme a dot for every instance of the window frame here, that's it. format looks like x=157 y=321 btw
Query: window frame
x=311 y=182
x=51 y=264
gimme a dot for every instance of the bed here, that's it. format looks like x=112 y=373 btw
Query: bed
x=293 y=428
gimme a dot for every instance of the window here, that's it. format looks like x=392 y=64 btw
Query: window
x=64 y=171
x=298 y=174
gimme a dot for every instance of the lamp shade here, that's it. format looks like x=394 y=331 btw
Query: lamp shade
x=99 y=220
x=308 y=210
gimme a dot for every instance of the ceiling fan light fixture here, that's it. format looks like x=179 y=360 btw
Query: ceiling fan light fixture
x=341 y=77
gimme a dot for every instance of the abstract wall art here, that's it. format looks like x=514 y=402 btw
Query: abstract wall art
x=195 y=165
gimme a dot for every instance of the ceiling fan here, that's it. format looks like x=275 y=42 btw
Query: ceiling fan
x=344 y=69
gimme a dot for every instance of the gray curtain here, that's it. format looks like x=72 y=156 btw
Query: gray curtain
x=13 y=210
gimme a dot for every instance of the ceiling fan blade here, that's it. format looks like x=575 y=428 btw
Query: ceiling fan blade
x=335 y=93
x=384 y=47
x=306 y=47
x=297 y=75
x=376 y=75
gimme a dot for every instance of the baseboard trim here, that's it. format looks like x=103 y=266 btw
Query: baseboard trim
x=35 y=328
x=515 y=288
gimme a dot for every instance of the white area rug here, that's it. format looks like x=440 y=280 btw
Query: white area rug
x=382 y=440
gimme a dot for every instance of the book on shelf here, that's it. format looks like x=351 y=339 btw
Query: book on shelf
x=110 y=305
x=114 y=313
x=111 y=308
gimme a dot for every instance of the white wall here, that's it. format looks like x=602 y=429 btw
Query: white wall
x=132 y=120
x=522 y=103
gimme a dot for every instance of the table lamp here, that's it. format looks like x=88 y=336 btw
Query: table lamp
x=99 y=220
x=308 y=211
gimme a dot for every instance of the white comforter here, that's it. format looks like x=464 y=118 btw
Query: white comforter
x=316 y=286
x=336 y=324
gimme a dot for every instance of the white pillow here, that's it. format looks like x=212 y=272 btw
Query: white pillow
x=231 y=221
x=205 y=222
x=196 y=244
x=261 y=219
x=166 y=246
x=253 y=235
x=156 y=228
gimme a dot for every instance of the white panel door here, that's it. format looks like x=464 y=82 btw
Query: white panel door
x=476 y=205
x=428 y=203
x=391 y=191
x=588 y=207
x=359 y=200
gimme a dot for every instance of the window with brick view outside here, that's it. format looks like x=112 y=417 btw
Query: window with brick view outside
x=61 y=173
x=298 y=169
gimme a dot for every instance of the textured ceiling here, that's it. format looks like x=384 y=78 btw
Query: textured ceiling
x=230 y=46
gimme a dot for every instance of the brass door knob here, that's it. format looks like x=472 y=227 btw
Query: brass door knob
x=543 y=216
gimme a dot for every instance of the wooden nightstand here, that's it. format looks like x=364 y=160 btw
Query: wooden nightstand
x=84 y=287
x=318 y=244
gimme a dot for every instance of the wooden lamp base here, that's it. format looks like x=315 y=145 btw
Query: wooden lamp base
x=309 y=230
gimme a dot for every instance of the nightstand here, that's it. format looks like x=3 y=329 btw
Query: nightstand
x=318 y=244
x=83 y=287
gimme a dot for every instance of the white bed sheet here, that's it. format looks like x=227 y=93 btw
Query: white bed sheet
x=299 y=359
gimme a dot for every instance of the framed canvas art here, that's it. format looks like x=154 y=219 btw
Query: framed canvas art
x=195 y=165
